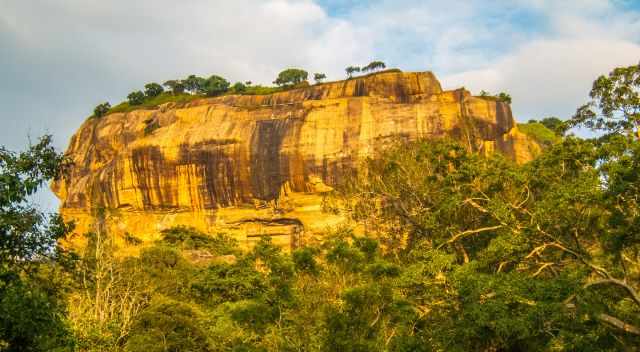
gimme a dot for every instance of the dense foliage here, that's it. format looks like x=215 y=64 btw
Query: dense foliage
x=448 y=251
x=152 y=90
x=350 y=70
x=180 y=91
x=135 y=97
x=291 y=77
x=319 y=77
x=101 y=109
x=502 y=96
x=32 y=266
x=539 y=132
x=374 y=66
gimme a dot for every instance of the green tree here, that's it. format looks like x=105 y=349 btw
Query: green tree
x=136 y=98
x=615 y=104
x=351 y=70
x=319 y=77
x=214 y=85
x=176 y=86
x=101 y=109
x=31 y=306
x=195 y=84
x=374 y=66
x=504 y=97
x=556 y=125
x=167 y=325
x=291 y=77
x=239 y=87
x=152 y=90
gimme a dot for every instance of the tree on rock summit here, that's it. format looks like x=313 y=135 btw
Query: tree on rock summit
x=291 y=77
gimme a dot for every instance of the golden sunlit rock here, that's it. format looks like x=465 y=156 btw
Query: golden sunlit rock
x=255 y=166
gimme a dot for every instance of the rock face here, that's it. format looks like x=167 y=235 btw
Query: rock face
x=257 y=166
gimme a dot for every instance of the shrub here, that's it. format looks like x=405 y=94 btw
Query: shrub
x=101 y=109
x=153 y=90
x=239 y=87
x=150 y=127
x=177 y=86
x=167 y=325
x=214 y=85
x=374 y=66
x=304 y=260
x=291 y=77
x=504 y=97
x=539 y=132
x=319 y=77
x=190 y=238
x=351 y=70
x=135 y=98
x=194 y=84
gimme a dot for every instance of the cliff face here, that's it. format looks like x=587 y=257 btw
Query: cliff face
x=258 y=165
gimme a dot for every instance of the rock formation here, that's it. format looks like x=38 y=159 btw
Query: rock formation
x=256 y=166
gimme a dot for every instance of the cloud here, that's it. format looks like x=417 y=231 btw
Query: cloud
x=60 y=58
x=66 y=56
x=551 y=74
x=549 y=77
x=545 y=53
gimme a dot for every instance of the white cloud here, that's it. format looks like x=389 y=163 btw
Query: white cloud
x=551 y=74
x=59 y=58
x=549 y=77
x=72 y=54
x=241 y=39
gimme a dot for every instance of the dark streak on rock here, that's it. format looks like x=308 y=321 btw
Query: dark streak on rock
x=270 y=167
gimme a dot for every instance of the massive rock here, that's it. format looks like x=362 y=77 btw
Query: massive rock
x=256 y=166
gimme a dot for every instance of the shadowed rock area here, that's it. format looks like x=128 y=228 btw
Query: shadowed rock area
x=258 y=166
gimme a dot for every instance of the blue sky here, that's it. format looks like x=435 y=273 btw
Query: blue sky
x=59 y=58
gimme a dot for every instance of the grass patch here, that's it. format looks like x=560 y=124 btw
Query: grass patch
x=261 y=90
x=539 y=132
x=181 y=99
x=155 y=102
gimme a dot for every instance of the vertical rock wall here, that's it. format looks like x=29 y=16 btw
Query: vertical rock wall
x=258 y=165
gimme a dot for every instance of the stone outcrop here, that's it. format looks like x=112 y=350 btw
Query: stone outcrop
x=256 y=166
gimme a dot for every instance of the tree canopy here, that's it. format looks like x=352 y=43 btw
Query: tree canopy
x=176 y=86
x=319 y=77
x=351 y=70
x=448 y=250
x=214 y=85
x=374 y=66
x=291 y=77
x=31 y=303
x=136 y=98
x=101 y=109
x=153 y=90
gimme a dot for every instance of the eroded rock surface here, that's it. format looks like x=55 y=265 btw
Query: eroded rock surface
x=258 y=165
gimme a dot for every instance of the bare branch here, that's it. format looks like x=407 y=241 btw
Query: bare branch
x=542 y=267
x=618 y=324
x=469 y=232
x=632 y=292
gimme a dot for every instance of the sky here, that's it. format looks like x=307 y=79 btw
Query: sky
x=60 y=58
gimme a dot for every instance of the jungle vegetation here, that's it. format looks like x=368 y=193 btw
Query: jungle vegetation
x=460 y=252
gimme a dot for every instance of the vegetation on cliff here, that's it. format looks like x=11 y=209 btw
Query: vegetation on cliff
x=33 y=268
x=502 y=96
x=460 y=252
x=194 y=87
